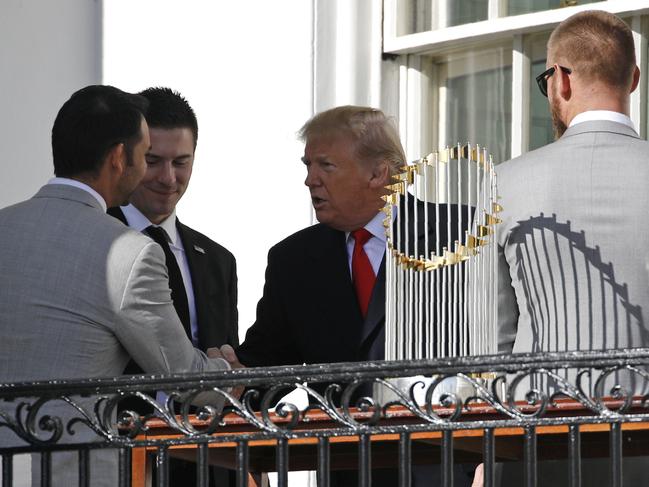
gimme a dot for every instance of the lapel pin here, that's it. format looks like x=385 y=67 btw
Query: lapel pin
x=199 y=249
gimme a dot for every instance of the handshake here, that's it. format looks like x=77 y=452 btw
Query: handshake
x=226 y=352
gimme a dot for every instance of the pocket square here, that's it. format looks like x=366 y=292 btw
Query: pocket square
x=199 y=249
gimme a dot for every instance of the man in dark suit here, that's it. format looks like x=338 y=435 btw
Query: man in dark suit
x=202 y=273
x=324 y=295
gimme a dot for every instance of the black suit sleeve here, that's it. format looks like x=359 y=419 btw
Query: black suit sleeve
x=233 y=333
x=270 y=340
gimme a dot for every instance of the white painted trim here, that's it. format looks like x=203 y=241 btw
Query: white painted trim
x=403 y=99
x=419 y=138
x=376 y=48
x=505 y=27
x=520 y=97
x=441 y=73
x=638 y=101
x=391 y=16
x=441 y=15
x=496 y=9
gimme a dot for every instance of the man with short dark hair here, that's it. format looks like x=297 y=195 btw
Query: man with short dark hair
x=573 y=273
x=208 y=270
x=202 y=273
x=87 y=293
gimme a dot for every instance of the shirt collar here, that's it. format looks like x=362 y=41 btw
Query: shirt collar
x=591 y=115
x=80 y=185
x=139 y=222
x=375 y=227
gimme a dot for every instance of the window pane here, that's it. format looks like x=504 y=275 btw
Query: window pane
x=476 y=100
x=466 y=11
x=424 y=15
x=414 y=16
x=540 y=118
x=517 y=7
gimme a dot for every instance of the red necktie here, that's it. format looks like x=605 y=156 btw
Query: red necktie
x=362 y=272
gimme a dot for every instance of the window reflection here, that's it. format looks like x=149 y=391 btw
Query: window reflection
x=476 y=100
x=540 y=118
x=518 y=7
x=424 y=15
x=466 y=11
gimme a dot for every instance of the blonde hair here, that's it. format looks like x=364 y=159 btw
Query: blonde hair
x=374 y=135
x=597 y=45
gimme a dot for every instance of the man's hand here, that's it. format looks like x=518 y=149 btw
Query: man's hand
x=226 y=352
x=478 y=477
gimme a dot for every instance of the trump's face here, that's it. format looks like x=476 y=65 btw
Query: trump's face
x=345 y=191
x=169 y=164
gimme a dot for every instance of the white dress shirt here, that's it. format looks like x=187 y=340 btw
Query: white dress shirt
x=375 y=245
x=80 y=185
x=137 y=221
x=609 y=115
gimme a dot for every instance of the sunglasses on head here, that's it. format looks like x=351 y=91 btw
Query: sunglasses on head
x=542 y=79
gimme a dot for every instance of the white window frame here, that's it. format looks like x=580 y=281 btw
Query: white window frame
x=417 y=91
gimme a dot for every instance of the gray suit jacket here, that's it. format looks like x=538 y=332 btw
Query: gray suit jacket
x=574 y=264
x=81 y=293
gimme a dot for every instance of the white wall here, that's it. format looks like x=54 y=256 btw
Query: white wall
x=48 y=50
x=245 y=67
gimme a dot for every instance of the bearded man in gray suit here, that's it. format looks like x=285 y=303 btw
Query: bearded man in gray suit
x=84 y=292
x=574 y=267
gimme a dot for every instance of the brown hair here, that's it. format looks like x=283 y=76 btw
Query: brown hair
x=597 y=45
x=375 y=136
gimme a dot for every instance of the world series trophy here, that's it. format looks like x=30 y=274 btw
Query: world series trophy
x=441 y=260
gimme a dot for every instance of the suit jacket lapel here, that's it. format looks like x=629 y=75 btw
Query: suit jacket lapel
x=334 y=280
x=376 y=309
x=203 y=286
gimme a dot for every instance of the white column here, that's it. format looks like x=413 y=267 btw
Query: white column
x=48 y=50
x=347 y=53
x=520 y=97
x=497 y=9
x=639 y=96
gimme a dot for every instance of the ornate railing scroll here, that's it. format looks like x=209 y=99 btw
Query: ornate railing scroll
x=345 y=401
x=92 y=405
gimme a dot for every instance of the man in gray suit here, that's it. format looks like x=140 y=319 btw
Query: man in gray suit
x=574 y=267
x=83 y=292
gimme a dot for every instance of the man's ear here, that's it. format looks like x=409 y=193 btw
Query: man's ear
x=380 y=175
x=565 y=88
x=116 y=158
x=636 y=79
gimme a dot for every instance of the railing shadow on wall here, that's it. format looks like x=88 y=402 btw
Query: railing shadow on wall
x=454 y=411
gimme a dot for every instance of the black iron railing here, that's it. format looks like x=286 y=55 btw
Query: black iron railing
x=571 y=394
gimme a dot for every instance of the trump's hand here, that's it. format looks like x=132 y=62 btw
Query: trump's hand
x=478 y=477
x=226 y=352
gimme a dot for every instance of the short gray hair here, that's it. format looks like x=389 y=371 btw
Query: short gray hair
x=375 y=136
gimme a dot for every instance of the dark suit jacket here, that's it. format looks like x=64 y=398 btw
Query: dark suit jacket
x=309 y=312
x=214 y=281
